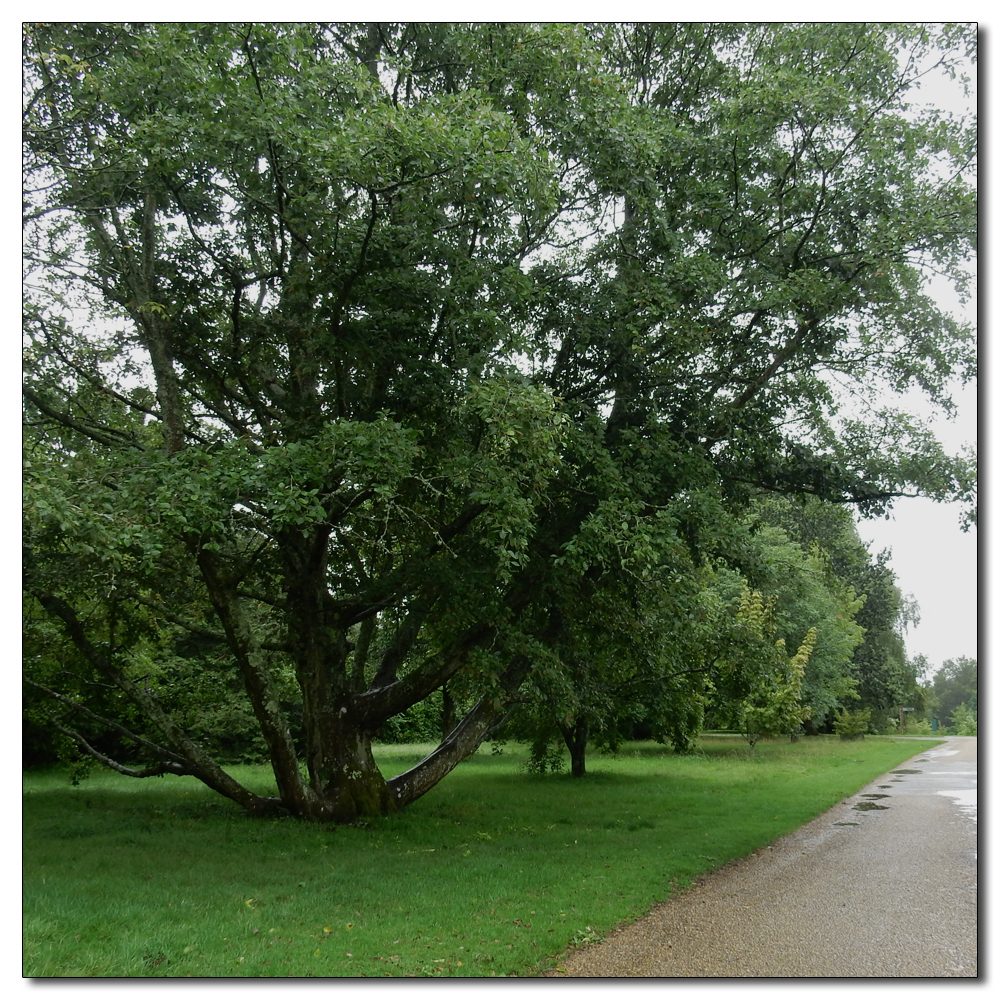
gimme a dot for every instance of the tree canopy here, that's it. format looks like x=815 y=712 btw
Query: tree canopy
x=380 y=357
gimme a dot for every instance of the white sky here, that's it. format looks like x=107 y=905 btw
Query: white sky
x=934 y=560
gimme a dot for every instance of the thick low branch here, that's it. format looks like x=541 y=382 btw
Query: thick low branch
x=462 y=741
x=200 y=763
x=154 y=770
x=378 y=704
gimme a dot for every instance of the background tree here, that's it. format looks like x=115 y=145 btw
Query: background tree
x=965 y=719
x=359 y=348
x=809 y=597
x=956 y=685
x=623 y=674
x=767 y=682
x=879 y=662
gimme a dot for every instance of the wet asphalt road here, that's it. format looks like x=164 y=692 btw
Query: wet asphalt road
x=885 y=890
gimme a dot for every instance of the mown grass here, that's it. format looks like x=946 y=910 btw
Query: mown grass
x=493 y=873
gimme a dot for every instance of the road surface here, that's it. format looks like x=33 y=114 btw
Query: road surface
x=882 y=885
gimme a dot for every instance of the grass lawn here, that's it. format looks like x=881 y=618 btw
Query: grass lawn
x=493 y=873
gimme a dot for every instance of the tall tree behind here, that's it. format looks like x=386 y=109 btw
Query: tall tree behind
x=956 y=684
x=879 y=661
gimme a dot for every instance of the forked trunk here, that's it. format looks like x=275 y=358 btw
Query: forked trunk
x=346 y=783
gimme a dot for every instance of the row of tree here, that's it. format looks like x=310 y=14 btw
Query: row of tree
x=369 y=361
x=704 y=648
x=716 y=647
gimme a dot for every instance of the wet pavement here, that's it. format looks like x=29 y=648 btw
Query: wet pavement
x=883 y=885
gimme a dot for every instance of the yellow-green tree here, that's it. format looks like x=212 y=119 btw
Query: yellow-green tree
x=772 y=705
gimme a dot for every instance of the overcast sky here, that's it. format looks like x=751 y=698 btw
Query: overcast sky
x=934 y=560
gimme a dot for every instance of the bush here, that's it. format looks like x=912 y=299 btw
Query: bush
x=547 y=752
x=851 y=725
x=964 y=721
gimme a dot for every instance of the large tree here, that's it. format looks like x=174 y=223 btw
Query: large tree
x=368 y=352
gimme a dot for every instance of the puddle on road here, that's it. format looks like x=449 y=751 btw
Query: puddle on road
x=847 y=824
x=906 y=770
x=967 y=800
x=876 y=795
x=868 y=806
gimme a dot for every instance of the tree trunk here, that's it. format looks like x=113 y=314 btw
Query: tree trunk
x=576 y=740
x=345 y=783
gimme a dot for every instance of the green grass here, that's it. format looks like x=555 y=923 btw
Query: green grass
x=493 y=873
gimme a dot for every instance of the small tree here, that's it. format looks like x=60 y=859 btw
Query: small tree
x=771 y=681
x=851 y=725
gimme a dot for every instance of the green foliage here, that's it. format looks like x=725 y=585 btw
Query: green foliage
x=393 y=357
x=547 y=753
x=773 y=704
x=878 y=664
x=916 y=726
x=956 y=684
x=965 y=721
x=851 y=725
x=420 y=723
x=808 y=594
